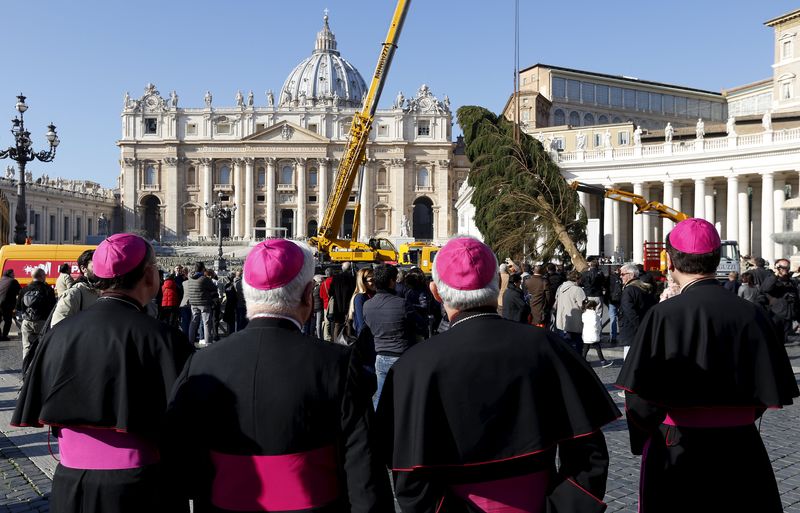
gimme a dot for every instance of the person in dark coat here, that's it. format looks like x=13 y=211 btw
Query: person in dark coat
x=271 y=420
x=472 y=419
x=515 y=308
x=637 y=299
x=779 y=290
x=35 y=301
x=705 y=365
x=341 y=290
x=101 y=380
x=614 y=298
x=759 y=272
x=540 y=297
x=9 y=290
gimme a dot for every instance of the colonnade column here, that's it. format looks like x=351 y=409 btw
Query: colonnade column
x=608 y=227
x=236 y=226
x=301 y=228
x=743 y=199
x=767 y=216
x=270 y=220
x=732 y=219
x=617 y=231
x=667 y=200
x=206 y=228
x=700 y=197
x=709 y=210
x=248 y=209
x=583 y=199
x=778 y=197
x=638 y=254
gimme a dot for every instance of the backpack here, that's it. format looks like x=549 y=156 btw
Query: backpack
x=35 y=302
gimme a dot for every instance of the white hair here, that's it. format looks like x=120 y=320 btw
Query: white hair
x=467 y=299
x=630 y=268
x=283 y=300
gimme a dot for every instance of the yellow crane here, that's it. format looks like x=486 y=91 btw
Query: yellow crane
x=327 y=240
x=637 y=200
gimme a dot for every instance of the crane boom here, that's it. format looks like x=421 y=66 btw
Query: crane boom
x=355 y=151
x=642 y=205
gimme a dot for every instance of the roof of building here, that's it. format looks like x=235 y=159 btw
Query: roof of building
x=783 y=17
x=621 y=78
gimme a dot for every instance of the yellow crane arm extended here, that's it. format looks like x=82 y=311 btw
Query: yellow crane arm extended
x=642 y=205
x=355 y=151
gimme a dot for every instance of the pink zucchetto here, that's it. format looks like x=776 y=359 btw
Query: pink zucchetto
x=118 y=255
x=694 y=236
x=466 y=264
x=272 y=264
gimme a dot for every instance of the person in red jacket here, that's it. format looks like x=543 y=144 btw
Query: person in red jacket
x=170 y=300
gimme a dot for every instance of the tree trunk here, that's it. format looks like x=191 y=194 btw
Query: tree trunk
x=577 y=259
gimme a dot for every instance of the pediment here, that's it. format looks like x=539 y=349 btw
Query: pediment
x=286 y=132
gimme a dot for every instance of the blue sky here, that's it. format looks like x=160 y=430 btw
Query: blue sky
x=79 y=58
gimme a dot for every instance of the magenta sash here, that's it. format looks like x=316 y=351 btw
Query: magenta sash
x=520 y=494
x=286 y=482
x=710 y=417
x=104 y=449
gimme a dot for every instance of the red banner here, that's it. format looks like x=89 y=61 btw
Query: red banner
x=25 y=268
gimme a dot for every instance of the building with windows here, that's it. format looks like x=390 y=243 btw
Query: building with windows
x=732 y=158
x=276 y=160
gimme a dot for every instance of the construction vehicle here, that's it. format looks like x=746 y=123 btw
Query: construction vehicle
x=328 y=243
x=654 y=253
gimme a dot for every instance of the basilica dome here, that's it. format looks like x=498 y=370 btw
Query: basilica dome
x=324 y=78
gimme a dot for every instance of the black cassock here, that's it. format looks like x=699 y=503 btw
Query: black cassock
x=272 y=420
x=101 y=380
x=704 y=366
x=473 y=417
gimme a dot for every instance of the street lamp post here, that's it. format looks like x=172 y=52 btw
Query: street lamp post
x=220 y=212
x=22 y=153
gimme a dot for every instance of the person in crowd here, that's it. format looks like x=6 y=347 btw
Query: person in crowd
x=783 y=303
x=472 y=420
x=614 y=294
x=539 y=291
x=245 y=447
x=241 y=308
x=504 y=276
x=593 y=282
x=365 y=290
x=9 y=290
x=108 y=412
x=185 y=309
x=759 y=271
x=390 y=321
x=170 y=300
x=325 y=294
x=35 y=301
x=703 y=368
x=81 y=295
x=202 y=294
x=341 y=290
x=671 y=290
x=569 y=309
x=419 y=301
x=748 y=290
x=637 y=299
x=319 y=309
x=65 y=279
x=515 y=308
x=400 y=288
x=732 y=283
x=591 y=331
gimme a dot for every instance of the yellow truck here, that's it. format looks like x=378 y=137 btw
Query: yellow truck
x=24 y=259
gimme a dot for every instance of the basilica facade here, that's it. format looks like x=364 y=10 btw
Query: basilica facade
x=275 y=158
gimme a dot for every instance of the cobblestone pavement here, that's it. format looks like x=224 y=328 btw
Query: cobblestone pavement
x=26 y=467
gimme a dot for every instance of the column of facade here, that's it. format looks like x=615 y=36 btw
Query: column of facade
x=608 y=227
x=743 y=201
x=128 y=196
x=700 y=198
x=710 y=211
x=365 y=213
x=778 y=197
x=206 y=226
x=667 y=199
x=583 y=199
x=767 y=216
x=236 y=225
x=172 y=183
x=247 y=210
x=322 y=181
x=732 y=217
x=647 y=221
x=302 y=197
x=270 y=220
x=638 y=239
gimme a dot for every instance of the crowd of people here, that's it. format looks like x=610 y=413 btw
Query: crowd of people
x=471 y=386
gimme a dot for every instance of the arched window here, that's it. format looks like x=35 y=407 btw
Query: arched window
x=423 y=178
x=261 y=177
x=224 y=175
x=191 y=176
x=382 y=179
x=312 y=178
x=574 y=119
x=602 y=120
x=558 y=118
x=588 y=120
x=287 y=174
x=150 y=175
x=617 y=119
